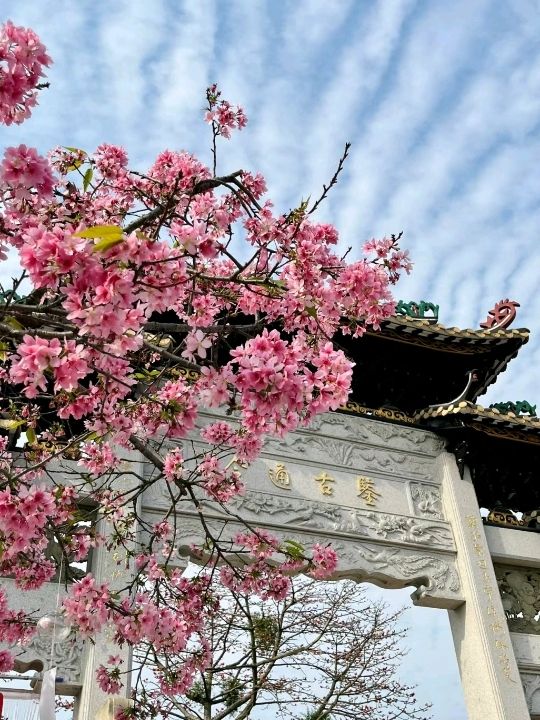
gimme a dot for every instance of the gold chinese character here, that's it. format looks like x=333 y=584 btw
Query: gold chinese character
x=496 y=627
x=501 y=644
x=280 y=477
x=366 y=490
x=471 y=521
x=489 y=591
x=325 y=480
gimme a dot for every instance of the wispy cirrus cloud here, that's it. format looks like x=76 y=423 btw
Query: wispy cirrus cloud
x=440 y=99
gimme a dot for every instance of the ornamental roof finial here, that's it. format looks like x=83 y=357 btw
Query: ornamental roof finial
x=502 y=315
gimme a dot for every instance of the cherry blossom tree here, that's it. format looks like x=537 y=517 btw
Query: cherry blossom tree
x=145 y=297
x=323 y=652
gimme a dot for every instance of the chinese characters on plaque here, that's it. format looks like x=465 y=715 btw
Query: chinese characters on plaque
x=366 y=490
x=325 y=483
x=365 y=486
x=496 y=621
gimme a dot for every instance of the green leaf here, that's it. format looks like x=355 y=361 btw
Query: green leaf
x=31 y=436
x=101 y=231
x=294 y=549
x=87 y=179
x=73 y=149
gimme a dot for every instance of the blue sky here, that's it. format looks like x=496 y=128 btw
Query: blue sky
x=441 y=101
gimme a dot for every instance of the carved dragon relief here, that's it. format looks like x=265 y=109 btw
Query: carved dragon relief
x=291 y=511
x=440 y=574
x=433 y=574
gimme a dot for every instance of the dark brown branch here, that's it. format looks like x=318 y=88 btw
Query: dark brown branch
x=148 y=452
x=334 y=179
x=201 y=187
x=49 y=334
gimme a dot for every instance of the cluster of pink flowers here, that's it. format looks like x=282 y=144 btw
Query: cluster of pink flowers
x=14 y=628
x=22 y=62
x=108 y=678
x=87 y=606
x=219 y=484
x=260 y=545
x=25 y=516
x=258 y=578
x=98 y=458
x=111 y=254
x=325 y=560
x=66 y=361
x=23 y=170
x=173 y=465
x=222 y=114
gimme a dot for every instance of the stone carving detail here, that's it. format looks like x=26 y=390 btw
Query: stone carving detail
x=409 y=565
x=377 y=433
x=433 y=575
x=66 y=655
x=520 y=594
x=531 y=687
x=287 y=510
x=426 y=501
x=360 y=457
x=292 y=511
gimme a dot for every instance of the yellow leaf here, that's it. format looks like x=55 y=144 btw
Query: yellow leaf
x=13 y=323
x=106 y=243
x=75 y=165
x=101 y=231
x=11 y=424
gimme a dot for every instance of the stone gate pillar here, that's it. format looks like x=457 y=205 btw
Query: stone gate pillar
x=489 y=673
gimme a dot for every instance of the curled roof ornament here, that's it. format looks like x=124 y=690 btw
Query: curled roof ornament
x=501 y=316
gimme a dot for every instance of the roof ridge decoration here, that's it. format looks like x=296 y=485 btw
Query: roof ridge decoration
x=501 y=316
x=520 y=407
x=417 y=310
x=428 y=327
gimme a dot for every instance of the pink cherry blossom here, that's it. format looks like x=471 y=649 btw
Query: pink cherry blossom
x=22 y=62
x=23 y=170
x=143 y=311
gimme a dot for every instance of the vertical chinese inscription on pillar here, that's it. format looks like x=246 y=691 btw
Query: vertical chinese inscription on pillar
x=325 y=481
x=280 y=476
x=366 y=490
x=496 y=621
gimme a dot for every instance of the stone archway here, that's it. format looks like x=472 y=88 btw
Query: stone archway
x=391 y=501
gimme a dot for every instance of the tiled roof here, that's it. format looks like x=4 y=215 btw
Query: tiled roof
x=424 y=328
x=490 y=420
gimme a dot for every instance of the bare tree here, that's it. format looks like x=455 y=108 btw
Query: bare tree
x=323 y=653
